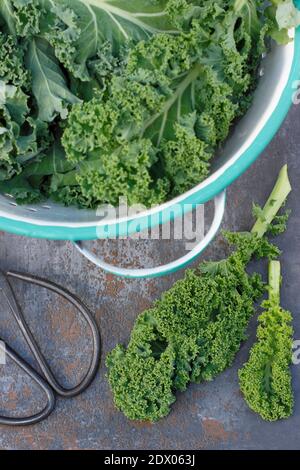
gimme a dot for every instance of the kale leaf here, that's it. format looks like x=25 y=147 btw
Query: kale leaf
x=265 y=380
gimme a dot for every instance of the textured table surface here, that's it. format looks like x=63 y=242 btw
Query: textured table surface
x=208 y=416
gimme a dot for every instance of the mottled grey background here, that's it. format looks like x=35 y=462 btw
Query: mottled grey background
x=207 y=416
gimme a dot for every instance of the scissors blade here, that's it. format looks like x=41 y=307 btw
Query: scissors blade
x=8 y=294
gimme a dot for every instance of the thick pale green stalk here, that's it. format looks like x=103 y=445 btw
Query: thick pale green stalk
x=274 y=281
x=276 y=200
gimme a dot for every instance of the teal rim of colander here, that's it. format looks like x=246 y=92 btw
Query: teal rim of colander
x=199 y=197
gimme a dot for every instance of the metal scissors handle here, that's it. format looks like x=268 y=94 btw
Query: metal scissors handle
x=49 y=383
x=36 y=418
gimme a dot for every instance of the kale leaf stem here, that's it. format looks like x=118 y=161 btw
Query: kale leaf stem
x=276 y=200
x=274 y=281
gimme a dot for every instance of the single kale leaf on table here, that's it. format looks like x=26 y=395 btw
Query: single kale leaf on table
x=131 y=98
x=266 y=380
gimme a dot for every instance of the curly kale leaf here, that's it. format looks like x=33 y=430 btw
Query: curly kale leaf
x=168 y=330
x=21 y=17
x=23 y=139
x=123 y=172
x=31 y=185
x=147 y=381
x=79 y=30
x=265 y=380
x=49 y=85
x=21 y=136
x=21 y=190
x=168 y=97
x=12 y=70
x=32 y=60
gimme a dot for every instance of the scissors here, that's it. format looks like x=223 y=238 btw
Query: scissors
x=48 y=383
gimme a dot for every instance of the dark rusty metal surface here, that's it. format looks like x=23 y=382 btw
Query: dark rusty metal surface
x=208 y=416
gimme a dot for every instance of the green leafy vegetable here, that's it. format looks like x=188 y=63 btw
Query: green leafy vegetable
x=21 y=136
x=177 y=92
x=22 y=17
x=49 y=86
x=12 y=70
x=282 y=15
x=265 y=380
x=124 y=171
x=139 y=95
x=194 y=332
x=81 y=28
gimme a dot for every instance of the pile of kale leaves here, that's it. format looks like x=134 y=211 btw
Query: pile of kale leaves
x=107 y=99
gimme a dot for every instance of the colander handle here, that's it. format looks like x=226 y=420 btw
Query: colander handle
x=169 y=268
